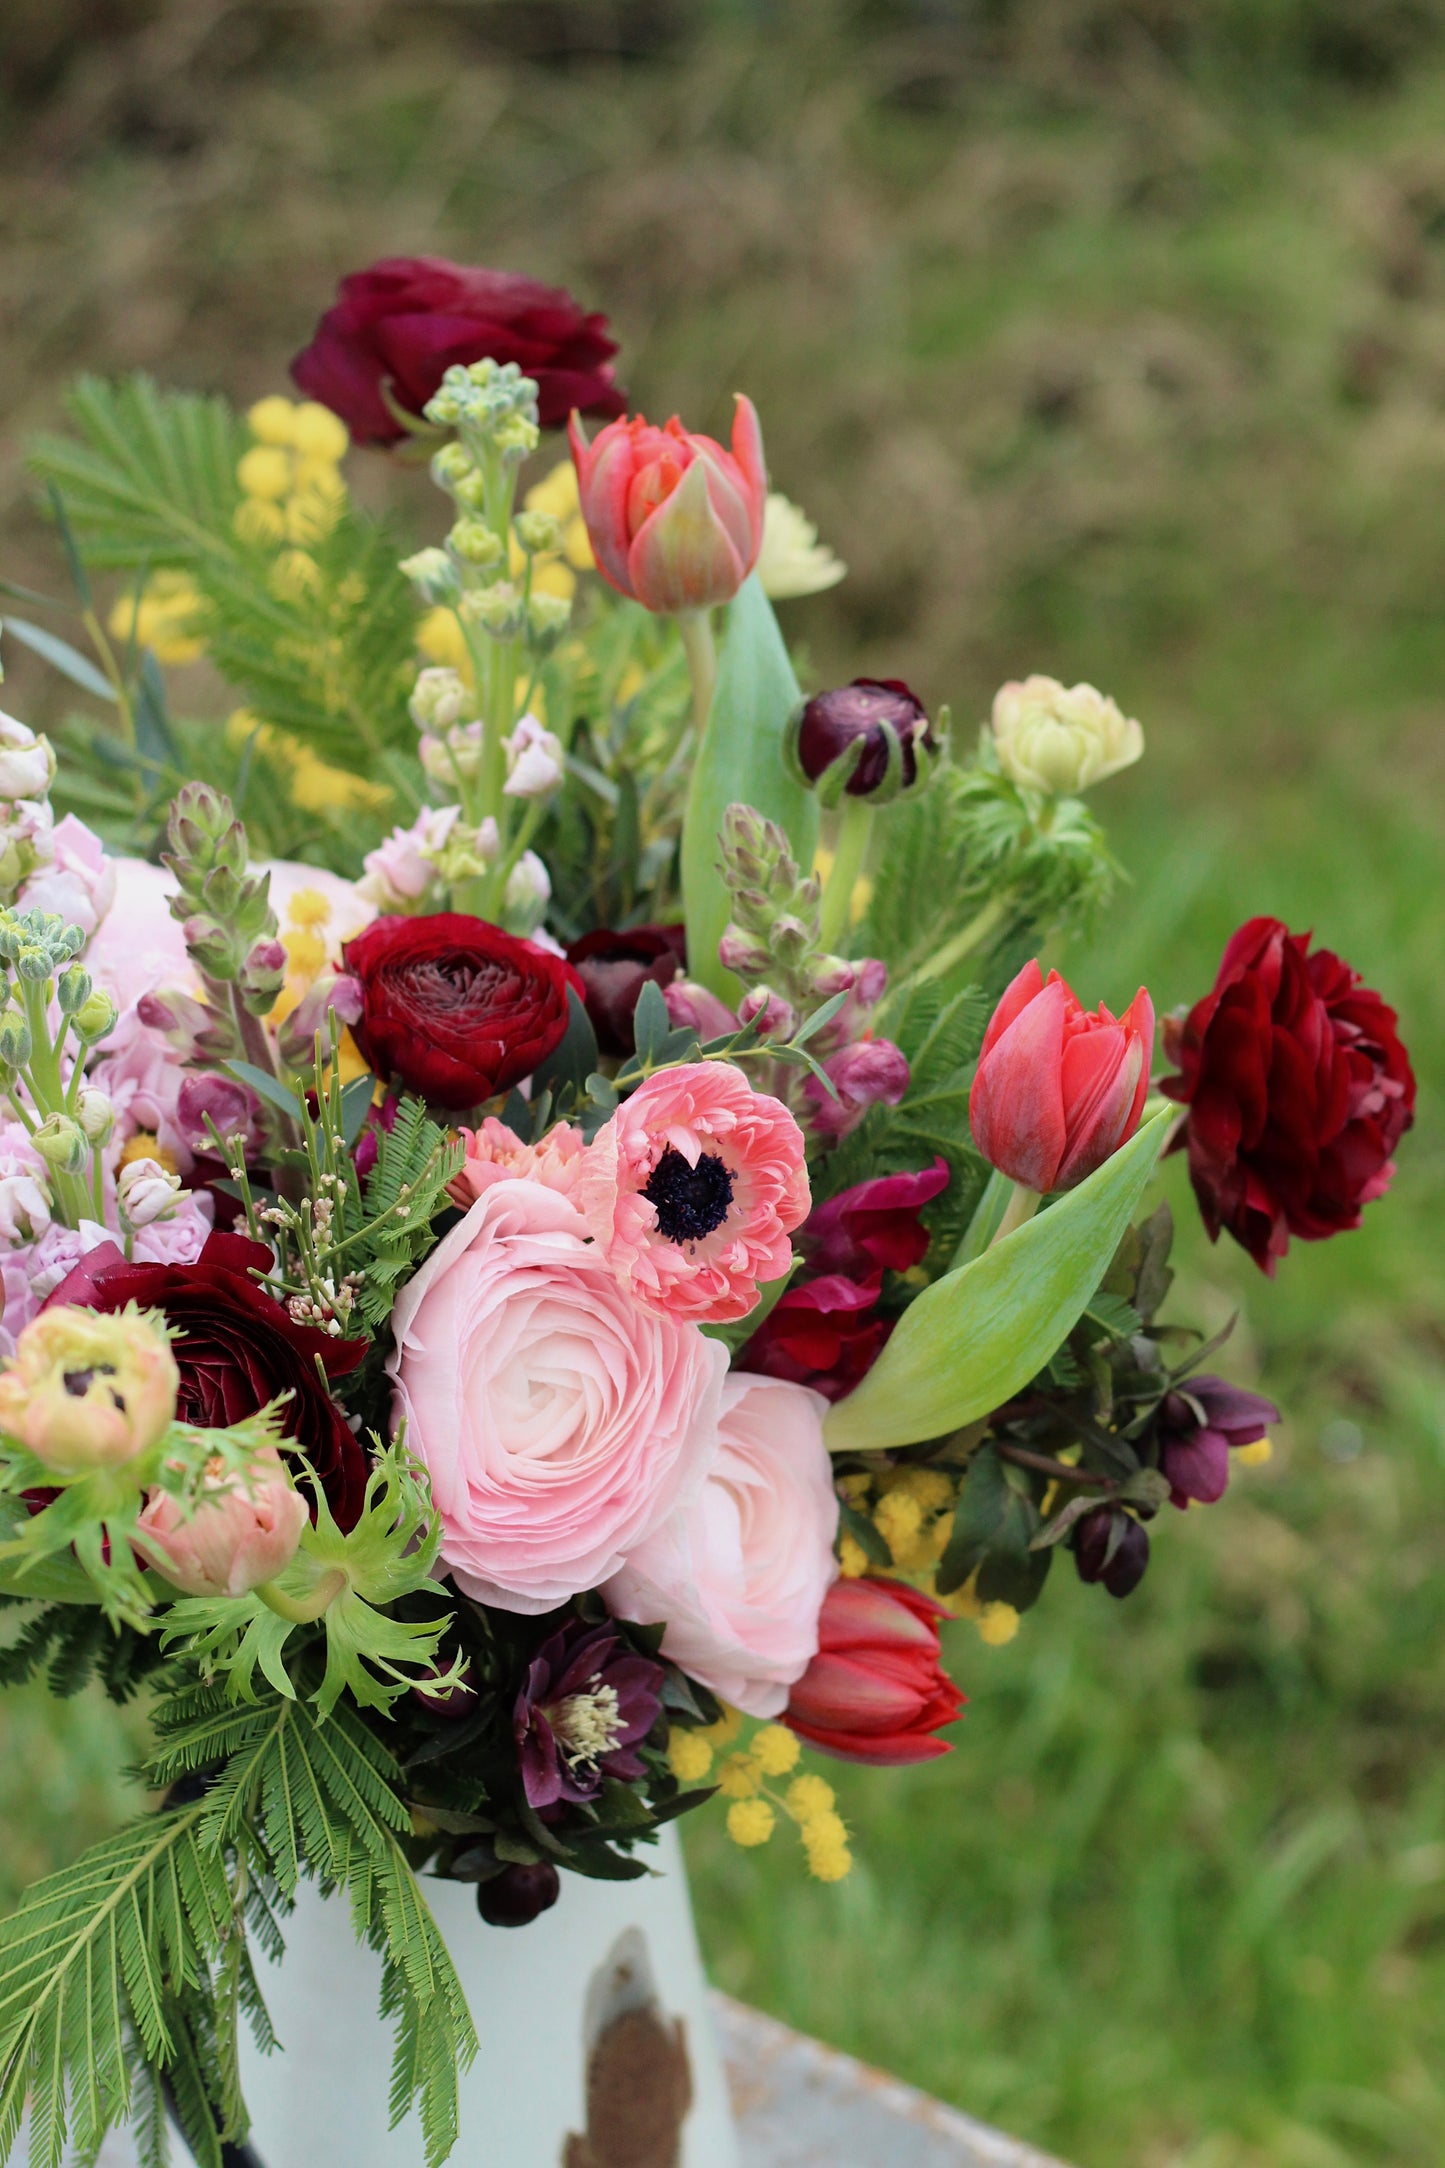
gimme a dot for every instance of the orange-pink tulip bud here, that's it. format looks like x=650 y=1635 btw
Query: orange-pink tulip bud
x=244 y=1530
x=674 y=521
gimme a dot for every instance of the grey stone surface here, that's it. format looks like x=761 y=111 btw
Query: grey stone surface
x=802 y=2105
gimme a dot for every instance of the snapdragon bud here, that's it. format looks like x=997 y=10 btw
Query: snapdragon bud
x=774 y=1017
x=87 y=1391
x=95 y=1019
x=62 y=1144
x=96 y=1115
x=147 y=1192
x=743 y=952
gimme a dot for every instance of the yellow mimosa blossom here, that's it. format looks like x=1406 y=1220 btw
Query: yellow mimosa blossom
x=809 y=1796
x=776 y=1750
x=997 y=1624
x=318 y=434
x=750 y=1821
x=689 y=1756
x=264 y=471
x=739 y=1777
x=273 y=420
x=852 y=1558
x=162 y=619
x=726 y=1729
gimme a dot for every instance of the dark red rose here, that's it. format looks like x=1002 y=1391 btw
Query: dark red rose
x=403 y=323
x=875 y=1225
x=455 y=1008
x=614 y=968
x=876 y=1691
x=833 y=722
x=1298 y=1091
x=825 y=1333
x=238 y=1349
x=1112 y=1547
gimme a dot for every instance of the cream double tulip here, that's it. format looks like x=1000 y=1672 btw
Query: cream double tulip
x=1060 y=739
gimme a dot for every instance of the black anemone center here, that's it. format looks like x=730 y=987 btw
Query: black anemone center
x=689 y=1201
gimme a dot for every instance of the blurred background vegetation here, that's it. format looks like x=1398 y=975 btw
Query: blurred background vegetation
x=1101 y=337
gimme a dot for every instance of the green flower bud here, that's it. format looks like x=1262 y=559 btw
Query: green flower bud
x=62 y=1144
x=95 y=1018
x=72 y=989
x=538 y=531
x=548 y=617
x=451 y=466
x=433 y=575
x=471 y=492
x=498 y=610
x=33 y=963
x=516 y=439
x=95 y=1115
x=15 y=1040
x=475 y=544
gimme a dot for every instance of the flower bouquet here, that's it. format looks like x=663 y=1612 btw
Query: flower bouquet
x=555 y=1229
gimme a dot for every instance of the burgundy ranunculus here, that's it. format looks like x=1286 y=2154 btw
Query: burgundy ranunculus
x=237 y=1349
x=454 y=1007
x=826 y=1334
x=876 y=1691
x=403 y=323
x=1298 y=1091
x=1198 y=1423
x=588 y=1704
x=874 y=1225
x=1112 y=1547
x=832 y=722
x=614 y=968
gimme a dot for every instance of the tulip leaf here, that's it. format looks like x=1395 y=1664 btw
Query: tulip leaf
x=740 y=761
x=974 y=1338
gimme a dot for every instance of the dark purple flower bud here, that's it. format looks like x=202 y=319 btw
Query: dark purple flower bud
x=1199 y=1423
x=614 y=968
x=516 y=1896
x=454 y=1702
x=874 y=714
x=1112 y=1547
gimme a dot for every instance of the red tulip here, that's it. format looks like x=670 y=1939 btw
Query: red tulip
x=674 y=520
x=1058 y=1089
x=876 y=1691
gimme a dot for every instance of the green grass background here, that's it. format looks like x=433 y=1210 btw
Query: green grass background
x=1101 y=338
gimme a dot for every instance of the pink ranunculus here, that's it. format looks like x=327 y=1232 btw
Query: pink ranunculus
x=1058 y=1089
x=560 y=1423
x=495 y=1153
x=674 y=520
x=870 y=1073
x=739 y=1574
x=693 y=1188
x=80 y=880
x=244 y=1534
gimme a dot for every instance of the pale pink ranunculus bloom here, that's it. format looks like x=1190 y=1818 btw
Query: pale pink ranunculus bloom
x=693 y=1188
x=79 y=881
x=244 y=1534
x=559 y=1422
x=495 y=1153
x=738 y=1575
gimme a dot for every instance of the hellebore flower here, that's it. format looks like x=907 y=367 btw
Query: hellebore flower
x=397 y=327
x=243 y=1531
x=826 y=1334
x=588 y=1703
x=614 y=968
x=873 y=1225
x=1058 y=1089
x=1061 y=738
x=1112 y=1547
x=83 y=1392
x=876 y=1691
x=1298 y=1089
x=875 y=716
x=675 y=522
x=1198 y=1424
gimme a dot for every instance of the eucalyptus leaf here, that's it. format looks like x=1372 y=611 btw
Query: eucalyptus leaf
x=740 y=760
x=970 y=1341
x=264 y=1085
x=61 y=656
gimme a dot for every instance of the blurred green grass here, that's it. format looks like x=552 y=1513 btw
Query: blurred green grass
x=1104 y=339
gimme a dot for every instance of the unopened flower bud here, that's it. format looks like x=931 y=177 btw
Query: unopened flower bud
x=869 y=739
x=33 y=963
x=95 y=1019
x=245 y=1529
x=439 y=698
x=538 y=531
x=534 y=760
x=451 y=465
x=774 y=1017
x=498 y=610
x=475 y=543
x=471 y=491
x=147 y=1192
x=95 y=1115
x=433 y=575
x=207 y=1102
x=262 y=975
x=743 y=952
x=27 y=762
x=516 y=438
x=87 y=1391
x=456 y=758
x=691 y=1007
x=15 y=1041
x=529 y=888
x=62 y=1144
x=72 y=990
x=790 y=938
x=1111 y=1546
x=548 y=617
x=871 y=1072
x=1060 y=739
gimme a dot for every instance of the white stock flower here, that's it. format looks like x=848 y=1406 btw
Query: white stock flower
x=1060 y=739
x=27 y=763
x=529 y=890
x=146 y=1191
x=534 y=760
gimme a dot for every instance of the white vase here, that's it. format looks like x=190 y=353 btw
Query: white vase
x=608 y=1985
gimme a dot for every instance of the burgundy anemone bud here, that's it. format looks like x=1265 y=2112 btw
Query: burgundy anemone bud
x=1200 y=1422
x=826 y=1334
x=875 y=1225
x=614 y=968
x=519 y=1895
x=588 y=1703
x=1111 y=1546
x=871 y=739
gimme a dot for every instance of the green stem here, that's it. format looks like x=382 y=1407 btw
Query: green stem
x=304 y=1610
x=701 y=651
x=1021 y=1206
x=855 y=820
x=968 y=938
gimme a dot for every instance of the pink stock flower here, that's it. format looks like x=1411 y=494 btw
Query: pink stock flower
x=1058 y=1089
x=870 y=1073
x=142 y=1075
x=560 y=1423
x=738 y=1575
x=243 y=1533
x=495 y=1153
x=80 y=880
x=692 y=1190
x=674 y=520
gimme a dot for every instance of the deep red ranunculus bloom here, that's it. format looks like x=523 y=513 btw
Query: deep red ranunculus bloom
x=454 y=1007
x=614 y=968
x=875 y=1224
x=404 y=321
x=826 y=1334
x=1298 y=1091
x=237 y=1349
x=876 y=1691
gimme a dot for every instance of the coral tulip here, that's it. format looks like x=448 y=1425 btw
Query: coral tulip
x=674 y=521
x=876 y=1691
x=1058 y=1089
